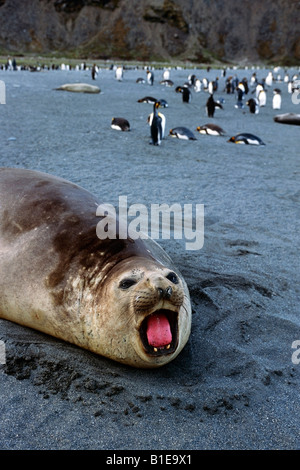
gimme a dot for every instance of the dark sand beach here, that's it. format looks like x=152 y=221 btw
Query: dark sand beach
x=235 y=385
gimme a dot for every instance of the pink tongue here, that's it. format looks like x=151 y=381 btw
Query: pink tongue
x=158 y=330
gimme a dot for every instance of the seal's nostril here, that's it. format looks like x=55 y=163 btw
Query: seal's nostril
x=168 y=292
x=165 y=293
x=160 y=291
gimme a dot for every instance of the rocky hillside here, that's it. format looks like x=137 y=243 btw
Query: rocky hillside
x=195 y=30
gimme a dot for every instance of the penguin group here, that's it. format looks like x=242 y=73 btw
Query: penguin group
x=253 y=95
x=232 y=85
x=250 y=94
x=260 y=87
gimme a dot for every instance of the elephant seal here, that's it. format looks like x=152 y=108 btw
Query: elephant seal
x=288 y=118
x=120 y=298
x=79 y=88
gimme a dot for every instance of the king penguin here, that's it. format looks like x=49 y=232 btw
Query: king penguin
x=163 y=120
x=186 y=94
x=253 y=105
x=211 y=105
x=119 y=73
x=150 y=77
x=156 y=126
x=276 y=102
x=246 y=138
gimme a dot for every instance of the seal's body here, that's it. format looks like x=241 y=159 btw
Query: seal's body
x=79 y=88
x=119 y=298
x=288 y=118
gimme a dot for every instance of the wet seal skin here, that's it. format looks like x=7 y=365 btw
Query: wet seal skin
x=120 y=298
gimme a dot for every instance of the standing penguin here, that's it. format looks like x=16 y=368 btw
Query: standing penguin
x=245 y=85
x=269 y=79
x=210 y=87
x=119 y=73
x=197 y=86
x=259 y=87
x=205 y=84
x=262 y=98
x=253 y=80
x=240 y=93
x=239 y=98
x=156 y=126
x=261 y=94
x=228 y=87
x=94 y=71
x=166 y=75
x=276 y=103
x=163 y=120
x=211 y=105
x=186 y=94
x=192 y=79
x=213 y=86
x=253 y=105
x=150 y=77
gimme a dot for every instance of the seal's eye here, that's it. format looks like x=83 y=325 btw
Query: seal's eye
x=172 y=277
x=126 y=283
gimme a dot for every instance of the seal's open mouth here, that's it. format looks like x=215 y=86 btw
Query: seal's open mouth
x=159 y=332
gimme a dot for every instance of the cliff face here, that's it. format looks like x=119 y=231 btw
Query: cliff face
x=196 y=30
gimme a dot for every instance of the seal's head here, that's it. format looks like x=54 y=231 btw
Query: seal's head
x=154 y=314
